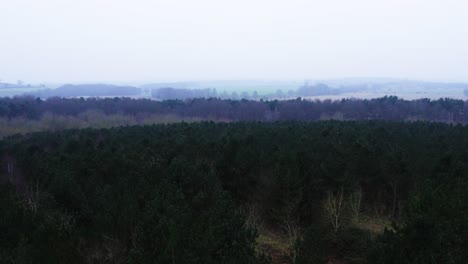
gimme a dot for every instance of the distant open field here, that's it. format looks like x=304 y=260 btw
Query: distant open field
x=407 y=96
x=268 y=90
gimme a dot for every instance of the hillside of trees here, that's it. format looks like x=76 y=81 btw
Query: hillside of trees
x=87 y=90
x=280 y=192
x=171 y=93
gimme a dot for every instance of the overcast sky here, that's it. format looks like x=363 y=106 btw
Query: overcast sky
x=151 y=40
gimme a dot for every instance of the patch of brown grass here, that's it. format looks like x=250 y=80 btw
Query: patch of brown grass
x=275 y=245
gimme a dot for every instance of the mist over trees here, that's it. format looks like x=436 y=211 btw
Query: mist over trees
x=247 y=89
x=87 y=90
x=19 y=84
x=288 y=90
x=169 y=93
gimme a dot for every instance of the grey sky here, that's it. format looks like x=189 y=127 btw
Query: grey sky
x=149 y=40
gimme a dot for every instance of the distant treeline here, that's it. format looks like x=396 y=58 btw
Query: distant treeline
x=182 y=94
x=192 y=90
x=70 y=90
x=168 y=93
x=386 y=108
x=19 y=84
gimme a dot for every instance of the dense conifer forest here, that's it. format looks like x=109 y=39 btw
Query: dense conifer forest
x=240 y=192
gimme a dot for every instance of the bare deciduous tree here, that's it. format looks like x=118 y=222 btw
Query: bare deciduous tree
x=253 y=217
x=333 y=206
x=291 y=228
x=33 y=197
x=355 y=199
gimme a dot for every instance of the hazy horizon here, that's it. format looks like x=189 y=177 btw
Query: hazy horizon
x=59 y=41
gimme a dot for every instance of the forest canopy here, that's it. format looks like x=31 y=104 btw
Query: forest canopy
x=357 y=192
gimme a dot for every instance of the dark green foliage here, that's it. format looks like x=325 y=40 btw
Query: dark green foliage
x=314 y=247
x=34 y=237
x=171 y=193
x=435 y=225
x=176 y=228
x=195 y=223
x=13 y=224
